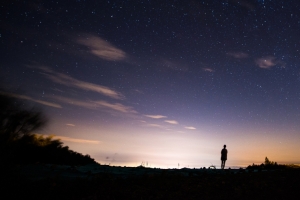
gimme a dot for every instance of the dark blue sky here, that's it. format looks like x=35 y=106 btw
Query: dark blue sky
x=161 y=81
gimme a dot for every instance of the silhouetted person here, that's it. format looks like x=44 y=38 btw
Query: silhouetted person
x=223 y=157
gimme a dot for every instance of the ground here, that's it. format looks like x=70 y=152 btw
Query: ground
x=41 y=181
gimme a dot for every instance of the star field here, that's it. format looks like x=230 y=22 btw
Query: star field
x=159 y=81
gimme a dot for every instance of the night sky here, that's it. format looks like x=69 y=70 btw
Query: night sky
x=166 y=83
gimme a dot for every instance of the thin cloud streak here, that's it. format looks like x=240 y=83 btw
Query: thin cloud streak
x=190 y=127
x=238 y=54
x=208 y=70
x=18 y=96
x=156 y=116
x=155 y=125
x=70 y=124
x=101 y=48
x=75 y=83
x=88 y=104
x=96 y=105
x=117 y=106
x=171 y=121
x=69 y=81
x=69 y=139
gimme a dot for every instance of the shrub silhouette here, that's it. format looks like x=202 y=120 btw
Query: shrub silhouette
x=36 y=148
x=19 y=145
x=268 y=165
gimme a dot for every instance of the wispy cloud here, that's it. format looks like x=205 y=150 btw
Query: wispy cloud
x=208 y=69
x=101 y=48
x=238 y=54
x=18 y=96
x=85 y=104
x=171 y=121
x=70 y=124
x=75 y=83
x=69 y=81
x=268 y=62
x=155 y=125
x=76 y=140
x=96 y=105
x=190 y=127
x=117 y=106
x=156 y=116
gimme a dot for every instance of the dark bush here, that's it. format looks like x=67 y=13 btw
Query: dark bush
x=18 y=144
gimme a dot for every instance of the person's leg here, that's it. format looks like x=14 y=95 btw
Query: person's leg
x=224 y=164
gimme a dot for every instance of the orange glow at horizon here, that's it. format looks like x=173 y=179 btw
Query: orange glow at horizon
x=125 y=146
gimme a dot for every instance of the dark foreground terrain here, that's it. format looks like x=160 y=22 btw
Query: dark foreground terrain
x=104 y=182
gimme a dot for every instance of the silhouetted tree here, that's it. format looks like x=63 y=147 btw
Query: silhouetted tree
x=267 y=161
x=16 y=121
x=18 y=144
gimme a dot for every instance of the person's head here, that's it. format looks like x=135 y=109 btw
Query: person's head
x=224 y=146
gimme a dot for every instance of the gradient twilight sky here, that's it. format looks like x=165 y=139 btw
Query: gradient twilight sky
x=163 y=82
